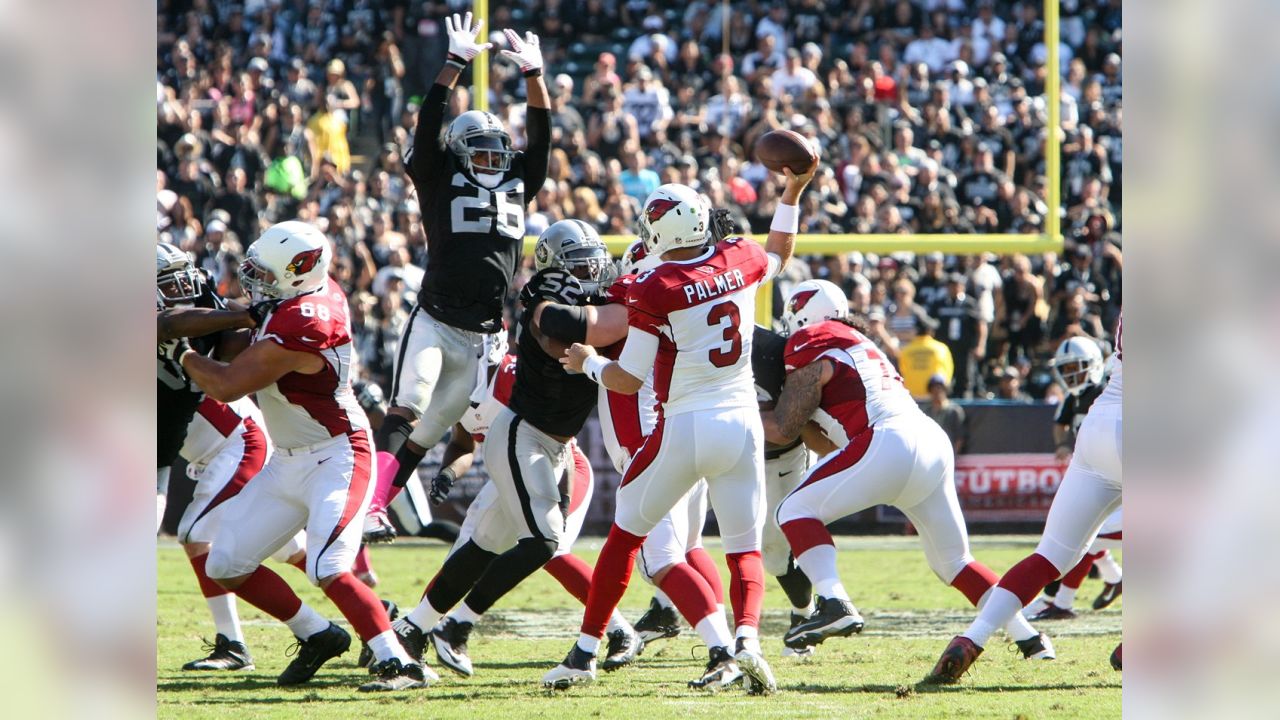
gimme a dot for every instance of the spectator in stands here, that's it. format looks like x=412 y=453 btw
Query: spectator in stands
x=922 y=358
x=637 y=180
x=1009 y=386
x=947 y=414
x=792 y=78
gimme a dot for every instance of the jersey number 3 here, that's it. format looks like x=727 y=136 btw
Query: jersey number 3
x=474 y=210
x=721 y=357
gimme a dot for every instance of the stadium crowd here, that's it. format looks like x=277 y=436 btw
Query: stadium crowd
x=929 y=114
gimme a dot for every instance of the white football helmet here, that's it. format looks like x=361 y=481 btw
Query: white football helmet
x=636 y=260
x=576 y=247
x=1077 y=364
x=177 y=278
x=289 y=259
x=674 y=216
x=476 y=131
x=813 y=301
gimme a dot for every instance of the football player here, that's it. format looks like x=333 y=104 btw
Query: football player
x=224 y=444
x=528 y=449
x=473 y=189
x=1090 y=491
x=887 y=452
x=321 y=474
x=689 y=324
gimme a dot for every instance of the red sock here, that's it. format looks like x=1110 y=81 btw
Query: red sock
x=689 y=592
x=699 y=559
x=805 y=533
x=359 y=606
x=746 y=587
x=208 y=587
x=1076 y=575
x=1028 y=577
x=269 y=593
x=573 y=573
x=361 y=564
x=609 y=581
x=974 y=580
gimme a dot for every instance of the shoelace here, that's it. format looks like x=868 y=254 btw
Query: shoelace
x=293 y=649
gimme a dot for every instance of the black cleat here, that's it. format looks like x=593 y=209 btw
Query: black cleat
x=833 y=618
x=578 y=667
x=624 y=647
x=1108 y=595
x=450 y=640
x=722 y=671
x=799 y=652
x=226 y=655
x=1036 y=648
x=1053 y=612
x=314 y=652
x=395 y=675
x=378 y=528
x=956 y=659
x=1116 y=658
x=657 y=623
x=366 y=655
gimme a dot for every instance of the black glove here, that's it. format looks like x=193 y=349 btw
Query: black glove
x=259 y=311
x=551 y=284
x=723 y=225
x=172 y=350
x=440 y=486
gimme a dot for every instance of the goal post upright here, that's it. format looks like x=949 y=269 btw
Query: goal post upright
x=480 y=68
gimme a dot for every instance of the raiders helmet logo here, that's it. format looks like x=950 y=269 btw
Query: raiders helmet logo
x=304 y=262
x=800 y=300
x=541 y=253
x=658 y=208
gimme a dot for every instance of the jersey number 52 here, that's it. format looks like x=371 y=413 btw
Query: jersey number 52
x=476 y=209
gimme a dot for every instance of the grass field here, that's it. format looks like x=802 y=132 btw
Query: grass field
x=910 y=616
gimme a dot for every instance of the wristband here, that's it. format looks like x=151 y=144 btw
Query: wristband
x=786 y=218
x=536 y=72
x=456 y=61
x=448 y=474
x=594 y=366
x=184 y=354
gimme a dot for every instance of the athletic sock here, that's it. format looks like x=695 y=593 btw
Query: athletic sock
x=746 y=587
x=509 y=570
x=269 y=593
x=714 y=631
x=974 y=580
x=1065 y=599
x=1018 y=587
x=689 y=591
x=362 y=565
x=464 y=614
x=573 y=573
x=609 y=582
x=225 y=618
x=306 y=622
x=662 y=598
x=589 y=643
x=424 y=616
x=1017 y=627
x=819 y=563
x=385 y=645
x=359 y=606
x=700 y=560
x=618 y=622
x=1075 y=576
x=1000 y=607
x=750 y=638
x=1108 y=568
x=407 y=461
x=393 y=433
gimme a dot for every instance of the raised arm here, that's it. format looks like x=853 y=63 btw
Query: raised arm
x=527 y=53
x=463 y=48
x=786 y=218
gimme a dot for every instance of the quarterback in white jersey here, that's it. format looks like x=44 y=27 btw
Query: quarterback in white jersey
x=691 y=322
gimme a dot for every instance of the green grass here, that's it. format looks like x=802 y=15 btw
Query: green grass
x=910 y=616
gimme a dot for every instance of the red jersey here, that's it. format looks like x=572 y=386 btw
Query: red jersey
x=625 y=420
x=865 y=388
x=301 y=409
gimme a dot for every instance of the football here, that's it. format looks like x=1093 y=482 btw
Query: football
x=785 y=148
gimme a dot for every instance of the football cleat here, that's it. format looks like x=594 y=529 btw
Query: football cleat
x=411 y=637
x=578 y=667
x=833 y=618
x=366 y=655
x=314 y=652
x=395 y=675
x=1115 y=657
x=378 y=527
x=961 y=652
x=623 y=649
x=799 y=652
x=1053 y=612
x=226 y=655
x=1036 y=606
x=757 y=676
x=1108 y=595
x=450 y=641
x=722 y=671
x=1036 y=648
x=657 y=623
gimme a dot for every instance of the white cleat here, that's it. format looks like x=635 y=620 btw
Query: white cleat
x=578 y=668
x=757 y=677
x=722 y=671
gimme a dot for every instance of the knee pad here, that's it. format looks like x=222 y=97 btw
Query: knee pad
x=217 y=565
x=776 y=555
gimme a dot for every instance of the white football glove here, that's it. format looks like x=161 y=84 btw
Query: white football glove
x=526 y=53
x=462 y=38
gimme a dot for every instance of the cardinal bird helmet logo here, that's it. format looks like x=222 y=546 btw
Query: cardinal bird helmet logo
x=800 y=300
x=658 y=208
x=304 y=262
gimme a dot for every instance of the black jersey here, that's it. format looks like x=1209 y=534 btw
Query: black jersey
x=767 y=349
x=475 y=234
x=1074 y=407
x=176 y=396
x=551 y=399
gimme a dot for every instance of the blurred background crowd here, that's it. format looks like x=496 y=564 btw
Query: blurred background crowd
x=930 y=116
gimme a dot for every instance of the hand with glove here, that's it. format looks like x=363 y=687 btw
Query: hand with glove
x=172 y=350
x=440 y=486
x=551 y=284
x=463 y=47
x=260 y=310
x=526 y=53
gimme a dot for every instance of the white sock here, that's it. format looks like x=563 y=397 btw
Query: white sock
x=1018 y=628
x=225 y=617
x=1108 y=568
x=1065 y=598
x=464 y=613
x=805 y=611
x=385 y=645
x=424 y=616
x=662 y=598
x=720 y=608
x=999 y=608
x=750 y=638
x=307 y=622
x=714 y=630
x=819 y=563
x=589 y=643
x=617 y=622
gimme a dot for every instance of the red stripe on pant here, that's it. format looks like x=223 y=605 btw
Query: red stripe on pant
x=1029 y=576
x=251 y=462
x=648 y=452
x=847 y=457
x=609 y=581
x=360 y=474
x=746 y=587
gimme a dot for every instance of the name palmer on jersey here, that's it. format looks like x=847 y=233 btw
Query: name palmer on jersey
x=722 y=283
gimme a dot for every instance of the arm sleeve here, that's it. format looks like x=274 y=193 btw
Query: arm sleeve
x=427 y=154
x=566 y=323
x=537 y=153
x=639 y=353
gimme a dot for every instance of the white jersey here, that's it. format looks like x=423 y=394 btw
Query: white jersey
x=215 y=424
x=1113 y=393
x=488 y=398
x=691 y=323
